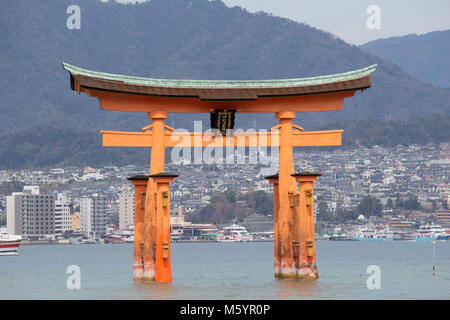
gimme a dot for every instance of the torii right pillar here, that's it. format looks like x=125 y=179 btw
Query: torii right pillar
x=294 y=238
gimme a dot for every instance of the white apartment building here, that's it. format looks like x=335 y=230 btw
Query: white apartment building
x=93 y=215
x=63 y=214
x=126 y=210
x=30 y=213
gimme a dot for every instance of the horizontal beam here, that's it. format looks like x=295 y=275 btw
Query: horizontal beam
x=205 y=139
x=317 y=138
x=141 y=103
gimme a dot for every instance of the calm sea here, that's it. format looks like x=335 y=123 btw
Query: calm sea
x=227 y=271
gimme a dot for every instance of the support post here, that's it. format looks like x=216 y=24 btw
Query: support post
x=163 y=272
x=276 y=207
x=140 y=188
x=307 y=267
x=149 y=232
x=287 y=188
x=145 y=212
x=158 y=141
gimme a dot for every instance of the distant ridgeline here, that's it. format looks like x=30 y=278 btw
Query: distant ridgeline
x=52 y=146
x=434 y=128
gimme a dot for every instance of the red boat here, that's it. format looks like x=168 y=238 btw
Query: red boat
x=114 y=239
x=9 y=244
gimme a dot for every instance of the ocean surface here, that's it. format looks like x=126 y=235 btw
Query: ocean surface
x=229 y=271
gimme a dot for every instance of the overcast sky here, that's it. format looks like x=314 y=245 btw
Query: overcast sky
x=347 y=18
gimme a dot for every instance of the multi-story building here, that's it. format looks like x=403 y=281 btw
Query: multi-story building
x=30 y=213
x=63 y=214
x=93 y=215
x=443 y=217
x=76 y=222
x=126 y=210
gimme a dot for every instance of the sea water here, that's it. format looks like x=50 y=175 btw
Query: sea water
x=229 y=271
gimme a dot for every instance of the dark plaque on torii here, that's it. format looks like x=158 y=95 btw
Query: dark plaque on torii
x=222 y=120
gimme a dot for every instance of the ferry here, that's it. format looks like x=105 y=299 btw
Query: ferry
x=9 y=244
x=429 y=232
x=90 y=240
x=176 y=234
x=234 y=233
x=114 y=239
x=373 y=234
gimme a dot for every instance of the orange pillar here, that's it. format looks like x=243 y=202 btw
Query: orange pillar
x=158 y=141
x=287 y=188
x=276 y=207
x=140 y=188
x=163 y=272
x=147 y=233
x=307 y=268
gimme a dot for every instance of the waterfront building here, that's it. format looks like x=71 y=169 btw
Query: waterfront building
x=30 y=213
x=126 y=210
x=63 y=214
x=93 y=215
x=443 y=218
x=76 y=223
x=258 y=223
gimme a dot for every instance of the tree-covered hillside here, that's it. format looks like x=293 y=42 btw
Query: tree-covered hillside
x=197 y=39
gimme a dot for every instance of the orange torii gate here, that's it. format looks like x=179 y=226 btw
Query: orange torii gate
x=294 y=243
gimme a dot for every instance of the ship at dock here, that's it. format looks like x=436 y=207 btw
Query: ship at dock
x=367 y=233
x=9 y=244
x=429 y=232
x=234 y=233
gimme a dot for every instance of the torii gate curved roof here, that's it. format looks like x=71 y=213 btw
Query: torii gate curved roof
x=152 y=92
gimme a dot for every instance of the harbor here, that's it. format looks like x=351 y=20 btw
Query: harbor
x=185 y=232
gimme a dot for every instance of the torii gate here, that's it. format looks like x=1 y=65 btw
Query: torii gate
x=294 y=242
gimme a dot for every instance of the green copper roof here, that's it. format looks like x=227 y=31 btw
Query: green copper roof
x=223 y=84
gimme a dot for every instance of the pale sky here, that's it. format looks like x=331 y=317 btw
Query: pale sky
x=347 y=18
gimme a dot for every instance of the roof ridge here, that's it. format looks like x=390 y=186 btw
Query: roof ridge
x=222 y=84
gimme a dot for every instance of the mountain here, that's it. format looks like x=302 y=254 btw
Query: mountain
x=432 y=128
x=424 y=56
x=197 y=39
x=55 y=146
x=49 y=146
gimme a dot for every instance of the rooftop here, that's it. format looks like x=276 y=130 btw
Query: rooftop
x=219 y=89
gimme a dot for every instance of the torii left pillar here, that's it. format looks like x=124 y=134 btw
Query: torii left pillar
x=285 y=263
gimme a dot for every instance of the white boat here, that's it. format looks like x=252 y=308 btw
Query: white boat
x=9 y=244
x=373 y=234
x=176 y=234
x=234 y=233
x=227 y=236
x=429 y=232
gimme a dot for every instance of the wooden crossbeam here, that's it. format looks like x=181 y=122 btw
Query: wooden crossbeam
x=239 y=139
